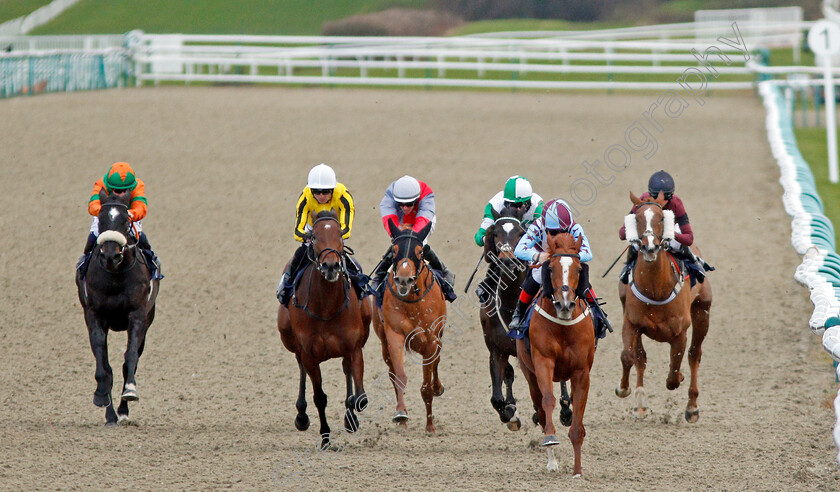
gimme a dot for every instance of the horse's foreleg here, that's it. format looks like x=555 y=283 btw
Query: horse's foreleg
x=301 y=420
x=496 y=376
x=675 y=377
x=580 y=392
x=700 y=326
x=395 y=344
x=136 y=339
x=641 y=410
x=351 y=422
x=319 y=397
x=98 y=335
x=427 y=392
x=628 y=358
x=513 y=423
x=544 y=372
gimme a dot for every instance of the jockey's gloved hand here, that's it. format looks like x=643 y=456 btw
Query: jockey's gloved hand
x=674 y=245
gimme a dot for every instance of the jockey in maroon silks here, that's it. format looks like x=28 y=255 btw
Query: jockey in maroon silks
x=661 y=181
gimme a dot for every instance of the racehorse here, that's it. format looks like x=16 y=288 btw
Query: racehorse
x=495 y=313
x=117 y=294
x=562 y=345
x=412 y=317
x=659 y=306
x=326 y=320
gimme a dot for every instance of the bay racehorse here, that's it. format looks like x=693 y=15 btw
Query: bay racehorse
x=562 y=345
x=326 y=320
x=412 y=317
x=660 y=305
x=116 y=294
x=506 y=273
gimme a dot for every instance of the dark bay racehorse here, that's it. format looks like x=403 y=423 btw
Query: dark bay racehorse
x=116 y=294
x=660 y=306
x=326 y=320
x=508 y=273
x=562 y=345
x=412 y=317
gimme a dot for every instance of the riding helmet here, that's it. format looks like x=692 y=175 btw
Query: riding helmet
x=406 y=189
x=120 y=177
x=517 y=190
x=661 y=181
x=558 y=216
x=321 y=177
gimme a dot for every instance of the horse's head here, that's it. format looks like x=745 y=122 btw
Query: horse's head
x=408 y=256
x=327 y=245
x=501 y=237
x=114 y=228
x=650 y=226
x=564 y=268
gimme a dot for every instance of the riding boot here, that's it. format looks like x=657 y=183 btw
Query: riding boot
x=84 y=260
x=357 y=277
x=632 y=254
x=602 y=324
x=487 y=286
x=143 y=244
x=448 y=276
x=699 y=265
x=377 y=277
x=286 y=285
x=517 y=328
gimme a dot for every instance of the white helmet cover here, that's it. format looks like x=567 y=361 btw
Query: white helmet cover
x=406 y=189
x=321 y=177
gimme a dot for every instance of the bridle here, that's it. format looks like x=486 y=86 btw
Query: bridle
x=419 y=267
x=121 y=238
x=549 y=291
x=318 y=262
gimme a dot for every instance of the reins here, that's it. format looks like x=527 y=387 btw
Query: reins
x=316 y=263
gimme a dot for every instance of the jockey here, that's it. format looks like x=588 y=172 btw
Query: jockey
x=533 y=247
x=121 y=179
x=661 y=181
x=411 y=203
x=322 y=193
x=517 y=194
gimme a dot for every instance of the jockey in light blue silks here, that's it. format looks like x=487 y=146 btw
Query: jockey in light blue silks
x=533 y=248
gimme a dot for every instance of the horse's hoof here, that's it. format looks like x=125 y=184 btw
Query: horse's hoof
x=400 y=417
x=552 y=466
x=640 y=413
x=122 y=419
x=577 y=475
x=508 y=413
x=325 y=441
x=622 y=392
x=550 y=440
x=302 y=422
x=514 y=424
x=439 y=390
x=361 y=402
x=351 y=422
x=535 y=419
x=691 y=416
x=430 y=431
x=110 y=424
x=130 y=393
x=566 y=417
x=102 y=400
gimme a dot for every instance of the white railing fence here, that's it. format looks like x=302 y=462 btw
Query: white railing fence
x=26 y=23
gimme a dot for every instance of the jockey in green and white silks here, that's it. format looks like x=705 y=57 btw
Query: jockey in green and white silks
x=517 y=194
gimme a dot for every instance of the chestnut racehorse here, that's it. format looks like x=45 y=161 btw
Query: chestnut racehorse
x=495 y=313
x=326 y=320
x=660 y=305
x=413 y=316
x=562 y=345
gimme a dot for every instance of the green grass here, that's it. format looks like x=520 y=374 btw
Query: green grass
x=269 y=17
x=12 y=9
x=812 y=145
x=529 y=25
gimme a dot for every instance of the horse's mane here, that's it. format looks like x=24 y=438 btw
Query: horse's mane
x=326 y=213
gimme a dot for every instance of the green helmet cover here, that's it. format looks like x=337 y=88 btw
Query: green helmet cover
x=517 y=190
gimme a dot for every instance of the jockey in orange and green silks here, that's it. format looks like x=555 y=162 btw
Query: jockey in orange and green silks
x=321 y=194
x=121 y=179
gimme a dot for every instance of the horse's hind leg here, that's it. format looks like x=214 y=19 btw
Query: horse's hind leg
x=351 y=421
x=629 y=337
x=536 y=396
x=320 y=399
x=104 y=375
x=514 y=423
x=496 y=377
x=565 y=405
x=675 y=377
x=302 y=420
x=427 y=391
x=580 y=393
x=392 y=352
x=700 y=326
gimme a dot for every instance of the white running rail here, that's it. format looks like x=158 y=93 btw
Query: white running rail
x=26 y=23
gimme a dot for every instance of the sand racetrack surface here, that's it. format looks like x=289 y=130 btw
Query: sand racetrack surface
x=223 y=168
